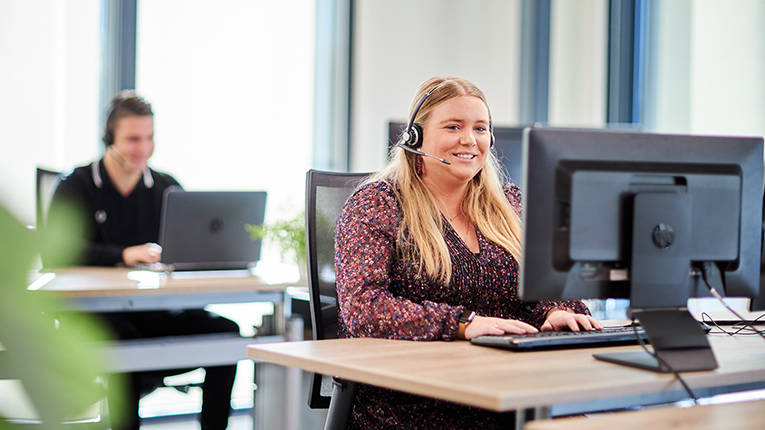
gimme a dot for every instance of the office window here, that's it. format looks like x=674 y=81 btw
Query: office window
x=48 y=93
x=705 y=67
x=232 y=86
x=578 y=63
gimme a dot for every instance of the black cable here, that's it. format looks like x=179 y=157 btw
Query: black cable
x=662 y=362
x=737 y=328
x=712 y=321
x=704 y=275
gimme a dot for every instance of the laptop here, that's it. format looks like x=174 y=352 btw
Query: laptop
x=206 y=230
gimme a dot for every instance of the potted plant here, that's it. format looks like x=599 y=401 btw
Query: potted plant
x=288 y=235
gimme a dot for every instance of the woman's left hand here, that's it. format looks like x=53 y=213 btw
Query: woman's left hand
x=560 y=319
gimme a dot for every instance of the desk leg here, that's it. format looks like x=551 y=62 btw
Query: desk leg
x=294 y=392
x=525 y=415
x=279 y=389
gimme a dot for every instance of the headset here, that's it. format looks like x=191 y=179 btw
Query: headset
x=108 y=132
x=411 y=138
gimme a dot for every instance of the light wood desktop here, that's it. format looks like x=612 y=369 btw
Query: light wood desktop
x=105 y=289
x=116 y=289
x=729 y=416
x=550 y=382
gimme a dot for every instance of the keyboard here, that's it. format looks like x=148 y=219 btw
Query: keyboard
x=544 y=340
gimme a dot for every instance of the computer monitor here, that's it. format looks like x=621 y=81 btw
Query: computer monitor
x=641 y=216
x=508 y=145
x=758 y=304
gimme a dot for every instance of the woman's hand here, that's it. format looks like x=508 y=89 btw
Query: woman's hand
x=562 y=319
x=481 y=326
x=146 y=253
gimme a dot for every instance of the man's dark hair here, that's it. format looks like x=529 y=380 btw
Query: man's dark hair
x=125 y=103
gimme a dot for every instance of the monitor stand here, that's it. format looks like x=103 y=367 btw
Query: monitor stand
x=659 y=286
x=677 y=339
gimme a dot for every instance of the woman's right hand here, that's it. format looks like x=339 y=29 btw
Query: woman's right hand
x=146 y=253
x=481 y=326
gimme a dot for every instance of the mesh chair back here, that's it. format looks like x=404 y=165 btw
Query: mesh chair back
x=47 y=181
x=326 y=193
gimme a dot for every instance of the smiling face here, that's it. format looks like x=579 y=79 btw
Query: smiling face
x=134 y=140
x=457 y=130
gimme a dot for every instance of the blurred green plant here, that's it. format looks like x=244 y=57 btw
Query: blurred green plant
x=53 y=357
x=288 y=235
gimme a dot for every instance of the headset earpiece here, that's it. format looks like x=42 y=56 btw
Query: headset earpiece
x=412 y=137
x=108 y=138
x=108 y=132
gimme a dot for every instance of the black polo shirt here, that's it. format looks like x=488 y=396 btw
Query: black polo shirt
x=111 y=222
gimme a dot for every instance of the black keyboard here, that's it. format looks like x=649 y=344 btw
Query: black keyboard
x=609 y=336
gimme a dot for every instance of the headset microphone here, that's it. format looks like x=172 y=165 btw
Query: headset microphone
x=120 y=159
x=414 y=151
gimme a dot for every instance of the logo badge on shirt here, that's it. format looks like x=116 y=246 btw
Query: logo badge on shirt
x=100 y=216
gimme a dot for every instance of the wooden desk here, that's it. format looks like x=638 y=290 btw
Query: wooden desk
x=560 y=382
x=105 y=289
x=114 y=289
x=728 y=416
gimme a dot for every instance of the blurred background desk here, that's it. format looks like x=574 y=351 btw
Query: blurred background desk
x=729 y=416
x=112 y=289
x=105 y=289
x=540 y=384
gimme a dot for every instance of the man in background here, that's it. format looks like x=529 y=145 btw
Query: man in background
x=118 y=200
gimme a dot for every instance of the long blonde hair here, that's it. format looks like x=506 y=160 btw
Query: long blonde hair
x=420 y=234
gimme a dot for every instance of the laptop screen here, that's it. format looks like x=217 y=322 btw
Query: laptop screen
x=206 y=230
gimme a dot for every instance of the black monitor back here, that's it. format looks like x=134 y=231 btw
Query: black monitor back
x=580 y=188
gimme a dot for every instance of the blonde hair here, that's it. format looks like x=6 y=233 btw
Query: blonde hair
x=420 y=234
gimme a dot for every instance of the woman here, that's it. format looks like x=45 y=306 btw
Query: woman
x=428 y=249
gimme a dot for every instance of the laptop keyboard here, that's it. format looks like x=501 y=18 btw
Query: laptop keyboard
x=609 y=336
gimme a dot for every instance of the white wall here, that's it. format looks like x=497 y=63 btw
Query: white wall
x=399 y=44
x=728 y=63
x=49 y=81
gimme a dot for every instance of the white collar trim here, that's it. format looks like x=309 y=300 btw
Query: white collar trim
x=148 y=181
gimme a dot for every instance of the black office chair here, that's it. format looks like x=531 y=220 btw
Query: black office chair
x=47 y=182
x=326 y=193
